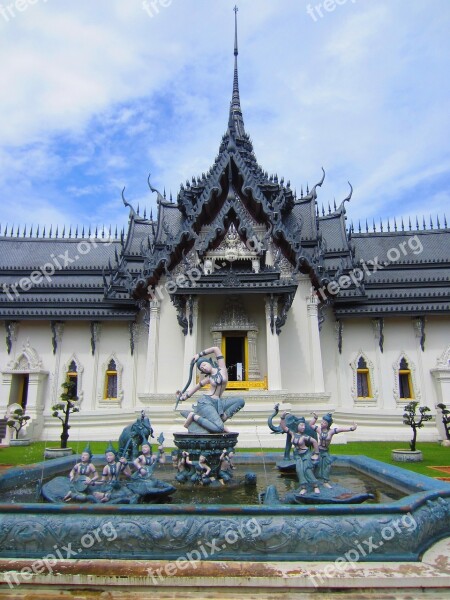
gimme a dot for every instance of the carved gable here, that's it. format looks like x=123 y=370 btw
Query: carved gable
x=234 y=317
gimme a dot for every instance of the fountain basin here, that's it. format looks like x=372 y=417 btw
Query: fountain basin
x=391 y=531
x=211 y=445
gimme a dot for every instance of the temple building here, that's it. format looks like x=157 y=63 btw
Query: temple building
x=310 y=312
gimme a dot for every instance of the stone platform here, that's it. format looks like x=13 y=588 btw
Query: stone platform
x=145 y=580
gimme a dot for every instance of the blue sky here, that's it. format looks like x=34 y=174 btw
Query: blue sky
x=96 y=95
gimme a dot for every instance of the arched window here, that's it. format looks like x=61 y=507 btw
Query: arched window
x=111 y=381
x=404 y=380
x=363 y=379
x=72 y=377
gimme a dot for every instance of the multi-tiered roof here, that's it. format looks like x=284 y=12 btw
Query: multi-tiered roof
x=115 y=278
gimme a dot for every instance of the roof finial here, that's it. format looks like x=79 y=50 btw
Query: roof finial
x=236 y=121
x=236 y=52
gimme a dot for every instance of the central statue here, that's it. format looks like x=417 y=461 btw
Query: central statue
x=211 y=411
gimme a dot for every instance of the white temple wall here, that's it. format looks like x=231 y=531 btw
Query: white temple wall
x=140 y=352
x=171 y=343
x=114 y=342
x=331 y=359
x=401 y=337
x=295 y=351
x=437 y=341
x=38 y=334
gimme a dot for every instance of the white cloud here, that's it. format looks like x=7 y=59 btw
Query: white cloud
x=99 y=94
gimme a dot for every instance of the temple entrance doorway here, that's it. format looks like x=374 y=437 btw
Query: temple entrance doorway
x=237 y=336
x=235 y=356
x=19 y=390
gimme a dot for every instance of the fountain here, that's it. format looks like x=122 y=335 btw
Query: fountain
x=400 y=527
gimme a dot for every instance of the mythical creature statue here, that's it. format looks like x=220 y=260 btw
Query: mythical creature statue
x=134 y=436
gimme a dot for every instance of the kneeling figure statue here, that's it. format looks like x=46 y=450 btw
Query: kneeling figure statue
x=211 y=411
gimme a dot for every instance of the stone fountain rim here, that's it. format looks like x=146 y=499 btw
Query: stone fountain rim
x=419 y=489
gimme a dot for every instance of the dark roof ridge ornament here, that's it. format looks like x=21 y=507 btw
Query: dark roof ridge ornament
x=347 y=199
x=126 y=203
x=312 y=195
x=313 y=192
x=160 y=197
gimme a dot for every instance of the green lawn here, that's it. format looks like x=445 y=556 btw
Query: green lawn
x=434 y=454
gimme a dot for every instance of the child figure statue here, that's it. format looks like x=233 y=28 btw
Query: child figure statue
x=226 y=466
x=81 y=476
x=304 y=460
x=325 y=436
x=111 y=473
x=184 y=467
x=202 y=470
x=146 y=462
x=211 y=411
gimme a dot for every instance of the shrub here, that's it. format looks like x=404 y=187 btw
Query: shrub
x=17 y=420
x=63 y=410
x=414 y=420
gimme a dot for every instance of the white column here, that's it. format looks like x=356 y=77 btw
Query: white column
x=417 y=323
x=254 y=373
x=58 y=333
x=190 y=339
x=35 y=404
x=4 y=402
x=442 y=378
x=315 y=352
x=378 y=371
x=441 y=375
x=96 y=330
x=273 y=346
x=151 y=373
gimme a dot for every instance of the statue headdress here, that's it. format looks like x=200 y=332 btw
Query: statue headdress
x=207 y=360
x=328 y=418
x=88 y=450
x=111 y=448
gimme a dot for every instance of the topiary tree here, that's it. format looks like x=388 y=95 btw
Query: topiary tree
x=17 y=420
x=445 y=418
x=414 y=420
x=65 y=408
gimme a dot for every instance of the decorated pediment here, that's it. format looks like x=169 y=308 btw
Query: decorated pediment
x=233 y=249
x=234 y=317
x=27 y=361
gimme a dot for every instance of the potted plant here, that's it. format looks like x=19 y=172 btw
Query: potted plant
x=415 y=421
x=445 y=416
x=17 y=420
x=68 y=404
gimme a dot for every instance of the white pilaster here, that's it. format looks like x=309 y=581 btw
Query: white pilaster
x=35 y=404
x=315 y=352
x=190 y=339
x=58 y=333
x=96 y=330
x=441 y=375
x=5 y=393
x=273 y=345
x=254 y=373
x=151 y=373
